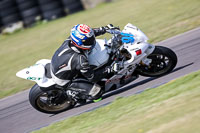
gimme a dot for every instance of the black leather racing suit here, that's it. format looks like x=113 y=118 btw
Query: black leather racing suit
x=69 y=62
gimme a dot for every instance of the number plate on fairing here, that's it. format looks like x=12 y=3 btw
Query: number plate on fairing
x=127 y=38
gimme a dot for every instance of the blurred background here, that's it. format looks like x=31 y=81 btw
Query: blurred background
x=34 y=29
x=15 y=14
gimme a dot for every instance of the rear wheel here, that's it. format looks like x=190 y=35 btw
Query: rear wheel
x=49 y=101
x=163 y=61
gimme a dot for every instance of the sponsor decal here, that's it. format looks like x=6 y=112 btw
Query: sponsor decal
x=113 y=80
x=117 y=80
x=132 y=27
x=64 y=65
x=34 y=78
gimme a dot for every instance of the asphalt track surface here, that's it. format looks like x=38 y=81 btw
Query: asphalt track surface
x=17 y=115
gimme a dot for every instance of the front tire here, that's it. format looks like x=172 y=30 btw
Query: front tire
x=51 y=100
x=163 y=62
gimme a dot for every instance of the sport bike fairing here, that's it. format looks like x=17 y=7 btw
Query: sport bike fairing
x=99 y=54
x=36 y=73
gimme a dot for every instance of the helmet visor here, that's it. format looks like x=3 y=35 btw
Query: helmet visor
x=90 y=41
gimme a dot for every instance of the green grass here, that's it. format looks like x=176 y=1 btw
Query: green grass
x=158 y=19
x=171 y=108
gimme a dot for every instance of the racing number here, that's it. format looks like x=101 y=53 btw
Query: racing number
x=127 y=38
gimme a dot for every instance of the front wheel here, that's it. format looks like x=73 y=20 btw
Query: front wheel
x=49 y=101
x=164 y=61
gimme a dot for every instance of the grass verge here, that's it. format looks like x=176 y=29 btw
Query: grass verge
x=158 y=19
x=171 y=108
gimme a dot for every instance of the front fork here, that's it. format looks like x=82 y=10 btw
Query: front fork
x=149 y=50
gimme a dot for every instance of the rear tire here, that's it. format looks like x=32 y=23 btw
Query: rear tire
x=49 y=101
x=163 y=62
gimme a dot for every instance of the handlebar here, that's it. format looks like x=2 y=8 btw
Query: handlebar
x=114 y=31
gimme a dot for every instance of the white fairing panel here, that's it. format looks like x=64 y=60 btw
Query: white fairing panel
x=140 y=43
x=36 y=73
x=138 y=34
x=99 y=55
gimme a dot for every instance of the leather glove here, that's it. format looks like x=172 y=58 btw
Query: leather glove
x=102 y=30
x=110 y=27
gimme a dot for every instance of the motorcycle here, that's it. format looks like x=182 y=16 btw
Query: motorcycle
x=128 y=49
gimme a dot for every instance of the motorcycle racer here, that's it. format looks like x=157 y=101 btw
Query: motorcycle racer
x=71 y=61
